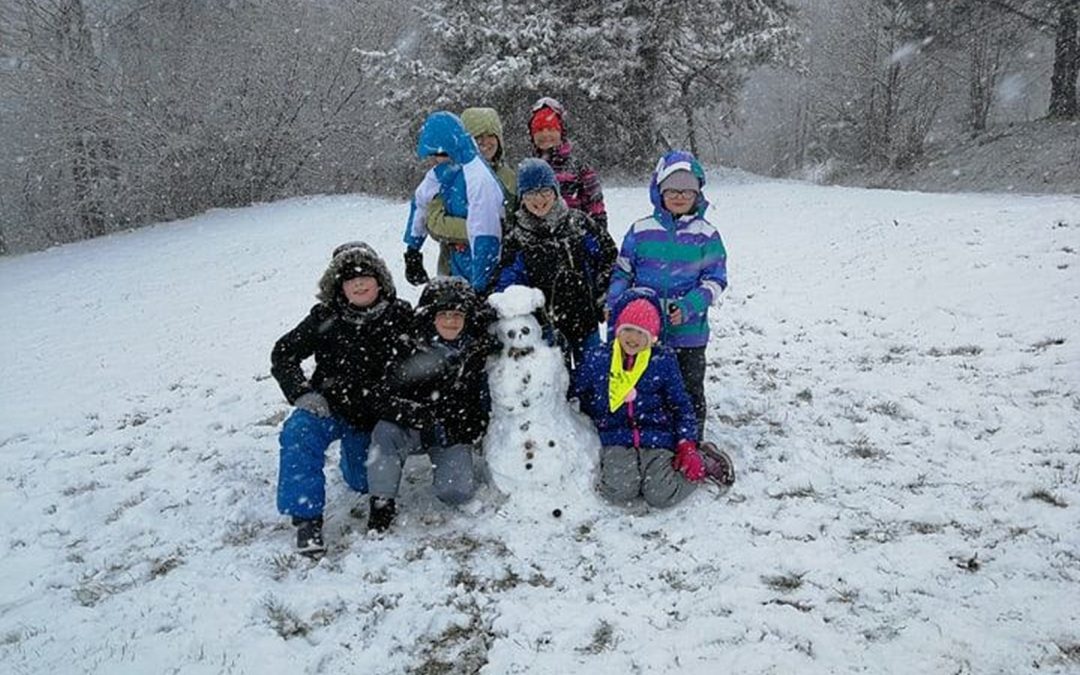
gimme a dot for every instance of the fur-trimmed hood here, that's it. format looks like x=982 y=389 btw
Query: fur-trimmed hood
x=354 y=258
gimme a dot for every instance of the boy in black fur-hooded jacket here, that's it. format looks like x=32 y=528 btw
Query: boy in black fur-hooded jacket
x=358 y=326
x=437 y=399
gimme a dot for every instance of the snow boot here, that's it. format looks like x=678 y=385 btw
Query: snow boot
x=309 y=539
x=381 y=514
x=719 y=469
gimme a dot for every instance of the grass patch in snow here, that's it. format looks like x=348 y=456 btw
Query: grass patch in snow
x=800 y=491
x=75 y=490
x=283 y=619
x=603 y=639
x=1048 y=342
x=459 y=648
x=1048 y=497
x=962 y=350
x=784 y=583
x=862 y=448
x=890 y=409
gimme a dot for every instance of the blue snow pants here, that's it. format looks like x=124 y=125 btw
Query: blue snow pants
x=304 y=438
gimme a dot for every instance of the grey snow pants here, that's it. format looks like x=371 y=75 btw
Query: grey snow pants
x=391 y=444
x=628 y=473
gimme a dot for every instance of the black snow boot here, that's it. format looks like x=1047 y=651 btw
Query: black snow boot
x=309 y=540
x=381 y=514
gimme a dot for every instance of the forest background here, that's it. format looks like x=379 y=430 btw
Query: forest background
x=119 y=113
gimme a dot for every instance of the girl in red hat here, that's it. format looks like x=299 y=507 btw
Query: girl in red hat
x=578 y=182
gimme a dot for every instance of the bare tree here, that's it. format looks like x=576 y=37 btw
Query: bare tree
x=66 y=102
x=1056 y=17
x=122 y=112
x=1063 y=101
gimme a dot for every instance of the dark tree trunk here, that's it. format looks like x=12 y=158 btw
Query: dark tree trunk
x=1063 y=103
x=688 y=116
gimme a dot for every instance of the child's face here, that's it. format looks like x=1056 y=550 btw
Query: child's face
x=539 y=202
x=441 y=158
x=489 y=145
x=361 y=291
x=449 y=323
x=546 y=139
x=633 y=340
x=679 y=202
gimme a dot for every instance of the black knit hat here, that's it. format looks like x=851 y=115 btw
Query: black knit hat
x=447 y=293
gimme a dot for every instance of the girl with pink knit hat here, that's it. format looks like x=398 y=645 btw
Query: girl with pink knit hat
x=633 y=391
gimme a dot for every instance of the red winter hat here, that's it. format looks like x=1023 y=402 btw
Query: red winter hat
x=545 y=118
x=640 y=314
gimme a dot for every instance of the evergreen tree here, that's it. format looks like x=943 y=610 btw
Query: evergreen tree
x=624 y=69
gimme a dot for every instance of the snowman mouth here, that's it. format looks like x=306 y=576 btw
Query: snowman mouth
x=518 y=352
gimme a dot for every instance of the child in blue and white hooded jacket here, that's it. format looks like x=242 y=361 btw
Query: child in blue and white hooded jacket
x=469 y=190
x=679 y=255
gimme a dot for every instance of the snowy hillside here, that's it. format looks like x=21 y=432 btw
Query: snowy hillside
x=1031 y=157
x=897 y=374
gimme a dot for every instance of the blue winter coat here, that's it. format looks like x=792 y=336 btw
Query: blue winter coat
x=469 y=190
x=662 y=412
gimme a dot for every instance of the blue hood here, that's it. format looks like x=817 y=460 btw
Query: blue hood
x=444 y=132
x=669 y=163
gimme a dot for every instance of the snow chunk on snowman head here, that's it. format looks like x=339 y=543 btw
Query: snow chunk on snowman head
x=518 y=329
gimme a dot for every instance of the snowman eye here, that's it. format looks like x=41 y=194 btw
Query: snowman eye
x=525 y=330
x=511 y=334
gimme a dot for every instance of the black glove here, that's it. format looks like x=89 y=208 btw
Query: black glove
x=415 y=273
x=428 y=364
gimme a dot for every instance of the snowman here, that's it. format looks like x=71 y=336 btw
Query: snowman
x=541 y=453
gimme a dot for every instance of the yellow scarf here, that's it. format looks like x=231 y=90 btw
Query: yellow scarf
x=621 y=382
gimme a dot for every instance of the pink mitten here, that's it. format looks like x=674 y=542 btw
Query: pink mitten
x=688 y=461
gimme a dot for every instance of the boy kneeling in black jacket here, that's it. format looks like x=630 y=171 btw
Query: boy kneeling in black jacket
x=437 y=400
x=353 y=332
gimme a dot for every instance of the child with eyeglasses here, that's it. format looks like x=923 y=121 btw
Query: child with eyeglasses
x=680 y=256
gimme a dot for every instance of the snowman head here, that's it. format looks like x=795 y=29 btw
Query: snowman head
x=520 y=335
x=517 y=328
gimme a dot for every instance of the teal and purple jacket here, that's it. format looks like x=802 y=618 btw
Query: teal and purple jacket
x=682 y=259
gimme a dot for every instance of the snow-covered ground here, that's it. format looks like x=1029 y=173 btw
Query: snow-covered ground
x=898 y=375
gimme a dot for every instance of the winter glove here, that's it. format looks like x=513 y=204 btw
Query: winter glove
x=688 y=461
x=426 y=365
x=415 y=273
x=315 y=403
x=675 y=314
